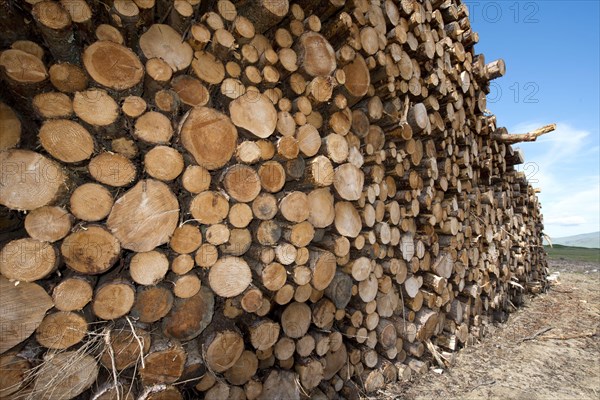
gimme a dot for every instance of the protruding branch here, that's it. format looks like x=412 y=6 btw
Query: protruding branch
x=502 y=135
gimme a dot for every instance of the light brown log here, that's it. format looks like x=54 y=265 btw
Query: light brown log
x=148 y=268
x=209 y=136
x=72 y=294
x=322 y=212
x=219 y=234
x=310 y=373
x=55 y=25
x=372 y=380
x=294 y=207
x=79 y=11
x=66 y=140
x=163 y=163
x=68 y=78
x=287 y=148
x=263 y=14
x=24 y=308
x=248 y=152
x=316 y=56
x=273 y=276
x=13 y=374
x=358 y=78
x=223 y=350
x=11 y=128
x=305 y=346
x=323 y=265
x=190 y=91
x=285 y=253
x=299 y=235
x=167 y=101
x=145 y=216
x=91 y=202
x=348 y=181
x=196 y=179
x=90 y=251
x=280 y=385
x=320 y=172
x=65 y=375
x=284 y=348
x=443 y=265
x=112 y=169
x=242 y=183
x=109 y=33
x=367 y=289
x=153 y=127
x=22 y=68
x=186 y=239
x=48 y=224
x=29 y=47
x=268 y=233
x=96 y=107
x=323 y=313
x=255 y=113
x=253 y=301
x=240 y=215
x=208 y=67
x=495 y=69
x=243 y=370
x=30 y=180
x=52 y=105
x=243 y=28
x=334 y=361
x=61 y=330
x=182 y=264
x=272 y=176
x=229 y=276
x=207 y=381
x=125 y=147
x=264 y=334
x=336 y=147
x=206 y=256
x=113 y=299
x=125 y=15
x=162 y=41
x=124 y=72
x=347 y=219
x=295 y=320
x=341 y=121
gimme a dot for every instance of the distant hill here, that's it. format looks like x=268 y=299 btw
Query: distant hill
x=589 y=240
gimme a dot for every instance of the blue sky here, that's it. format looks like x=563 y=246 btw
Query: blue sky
x=551 y=50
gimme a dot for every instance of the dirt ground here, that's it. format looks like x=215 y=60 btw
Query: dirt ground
x=560 y=363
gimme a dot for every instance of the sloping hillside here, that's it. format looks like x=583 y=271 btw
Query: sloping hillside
x=590 y=240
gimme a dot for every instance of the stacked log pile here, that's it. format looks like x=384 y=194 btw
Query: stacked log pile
x=250 y=199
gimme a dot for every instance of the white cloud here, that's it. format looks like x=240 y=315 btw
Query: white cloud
x=566 y=221
x=565 y=165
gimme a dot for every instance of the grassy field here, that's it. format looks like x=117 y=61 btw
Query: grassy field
x=573 y=253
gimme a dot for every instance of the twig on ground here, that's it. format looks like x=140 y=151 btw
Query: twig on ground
x=562 y=291
x=483 y=384
x=567 y=337
x=538 y=333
